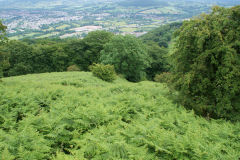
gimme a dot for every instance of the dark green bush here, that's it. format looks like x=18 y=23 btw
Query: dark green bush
x=207 y=63
x=104 y=72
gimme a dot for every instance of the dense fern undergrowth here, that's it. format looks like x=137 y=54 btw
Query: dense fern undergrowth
x=76 y=116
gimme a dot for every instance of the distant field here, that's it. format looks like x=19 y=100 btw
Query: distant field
x=73 y=115
x=31 y=34
x=119 y=23
x=63 y=26
x=165 y=10
x=49 y=29
x=128 y=29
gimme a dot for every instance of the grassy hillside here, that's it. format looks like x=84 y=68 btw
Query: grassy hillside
x=70 y=116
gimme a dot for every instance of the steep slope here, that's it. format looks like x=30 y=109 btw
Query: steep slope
x=77 y=116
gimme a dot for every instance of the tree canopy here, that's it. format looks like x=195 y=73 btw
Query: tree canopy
x=159 y=60
x=207 y=63
x=2 y=32
x=128 y=55
x=3 y=57
x=94 y=42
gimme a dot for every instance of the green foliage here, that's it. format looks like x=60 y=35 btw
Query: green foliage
x=94 y=42
x=161 y=35
x=3 y=29
x=6 y=155
x=159 y=60
x=87 y=51
x=3 y=58
x=73 y=68
x=49 y=58
x=207 y=63
x=104 y=72
x=20 y=55
x=128 y=55
x=157 y=42
x=164 y=77
x=55 y=55
x=75 y=50
x=74 y=115
x=4 y=61
x=20 y=58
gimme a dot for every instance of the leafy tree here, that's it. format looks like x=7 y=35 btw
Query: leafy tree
x=159 y=62
x=20 y=58
x=87 y=51
x=3 y=57
x=157 y=42
x=94 y=42
x=59 y=58
x=49 y=58
x=128 y=55
x=4 y=61
x=40 y=57
x=75 y=49
x=2 y=32
x=207 y=63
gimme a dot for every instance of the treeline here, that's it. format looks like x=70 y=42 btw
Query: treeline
x=130 y=56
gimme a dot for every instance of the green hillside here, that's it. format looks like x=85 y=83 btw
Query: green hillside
x=74 y=115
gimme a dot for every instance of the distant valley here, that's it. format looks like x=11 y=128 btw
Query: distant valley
x=75 y=18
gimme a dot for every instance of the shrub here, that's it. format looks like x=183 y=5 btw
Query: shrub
x=73 y=68
x=104 y=72
x=164 y=77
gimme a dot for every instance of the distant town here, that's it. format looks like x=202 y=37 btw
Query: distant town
x=65 y=22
